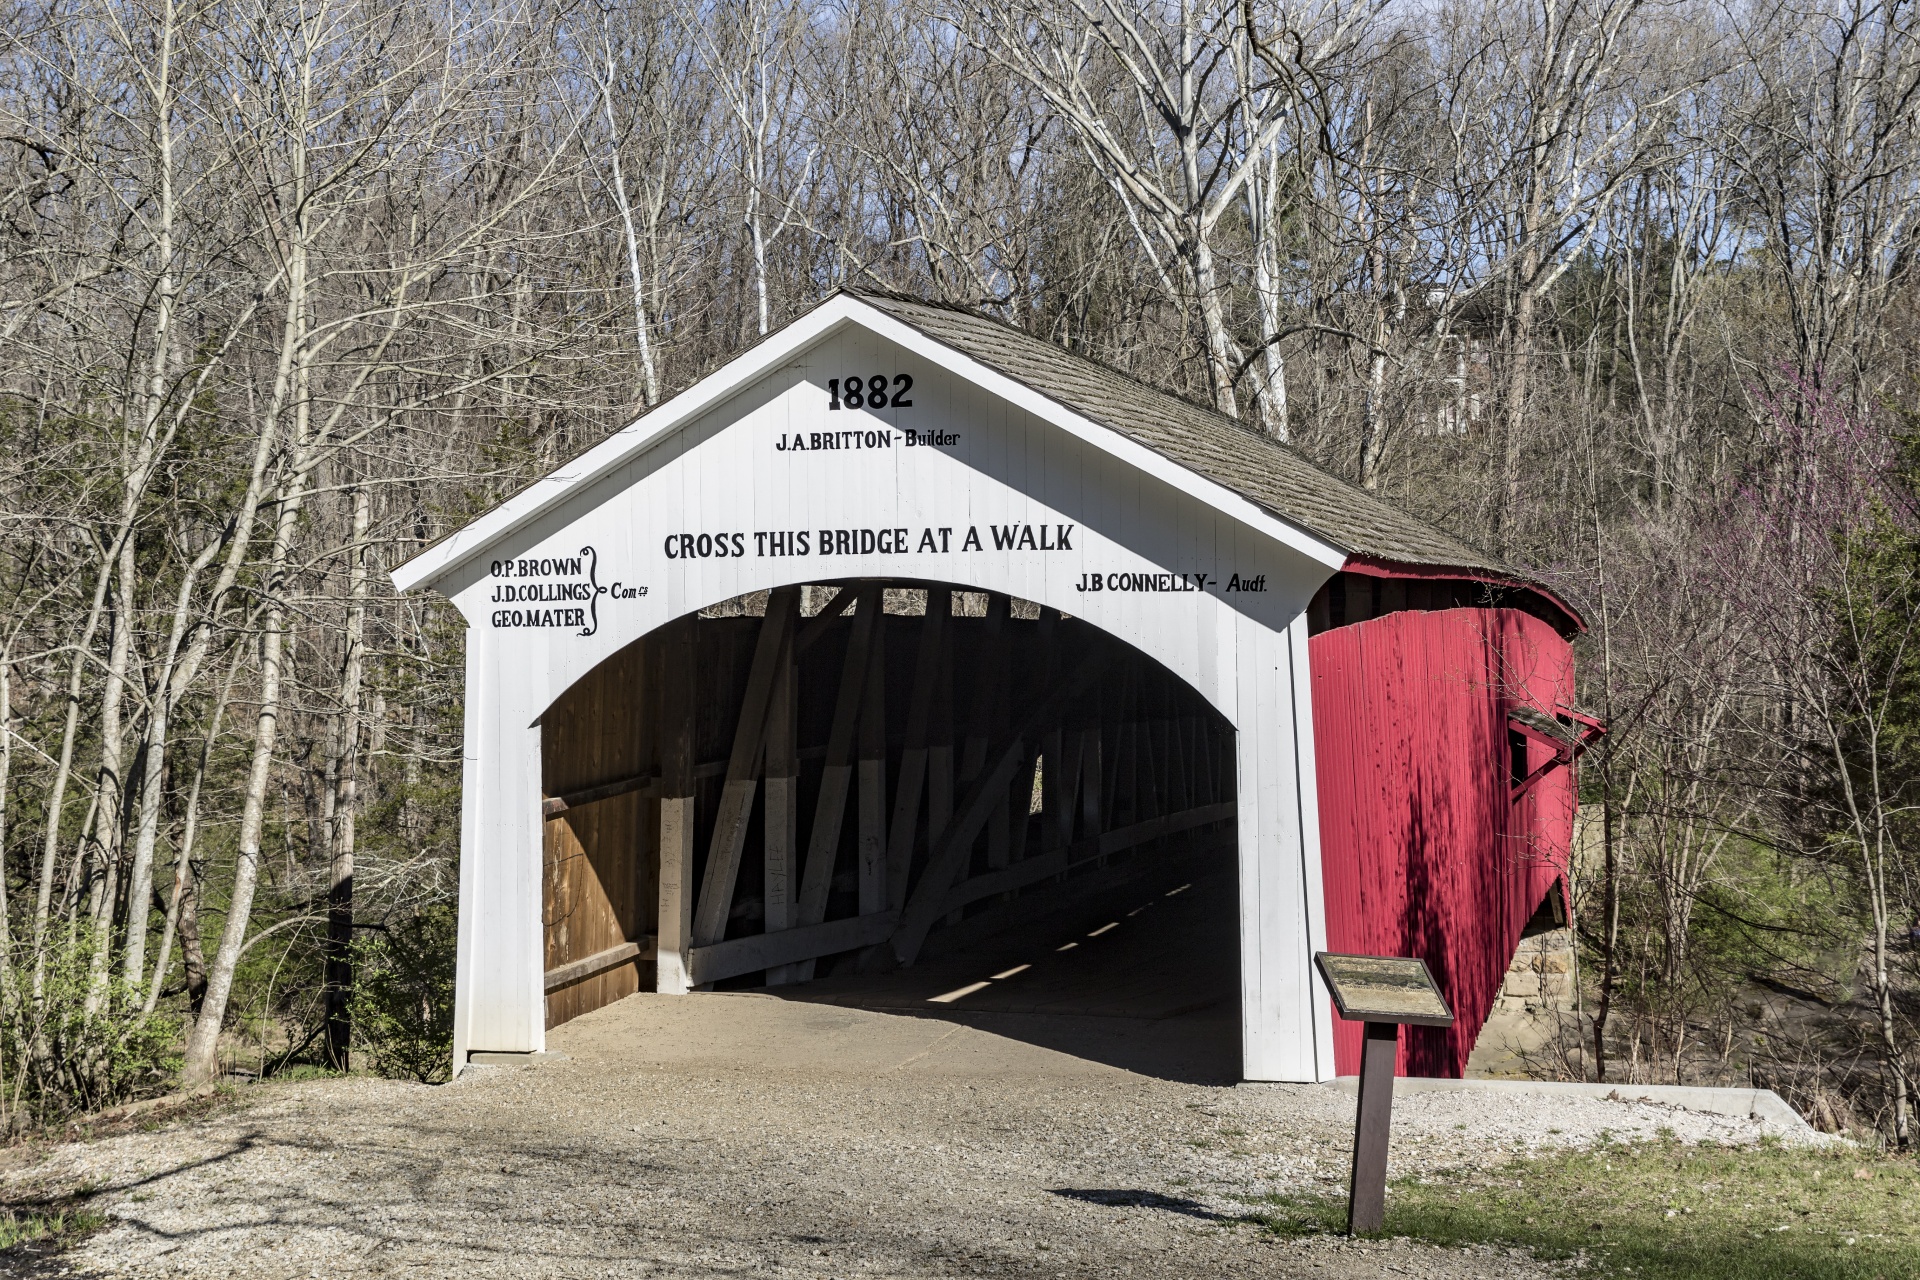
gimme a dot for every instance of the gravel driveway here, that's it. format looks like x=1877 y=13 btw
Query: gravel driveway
x=744 y=1135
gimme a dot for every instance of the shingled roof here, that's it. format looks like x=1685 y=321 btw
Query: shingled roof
x=1226 y=452
x=1372 y=533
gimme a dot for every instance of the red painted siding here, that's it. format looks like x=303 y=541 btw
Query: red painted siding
x=1422 y=851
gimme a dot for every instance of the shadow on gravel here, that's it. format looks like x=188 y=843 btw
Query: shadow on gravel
x=1142 y=1200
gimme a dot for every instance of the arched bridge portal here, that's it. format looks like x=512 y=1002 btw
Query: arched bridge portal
x=829 y=779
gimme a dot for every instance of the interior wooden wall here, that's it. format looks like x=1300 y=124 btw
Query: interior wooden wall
x=600 y=859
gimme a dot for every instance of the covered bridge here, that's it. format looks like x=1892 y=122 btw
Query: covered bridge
x=903 y=613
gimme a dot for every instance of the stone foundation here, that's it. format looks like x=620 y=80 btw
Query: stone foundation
x=1541 y=974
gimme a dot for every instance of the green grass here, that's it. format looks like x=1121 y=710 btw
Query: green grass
x=303 y=1071
x=1661 y=1210
x=59 y=1227
x=36 y=1225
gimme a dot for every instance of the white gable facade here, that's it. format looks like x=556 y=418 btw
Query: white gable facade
x=851 y=445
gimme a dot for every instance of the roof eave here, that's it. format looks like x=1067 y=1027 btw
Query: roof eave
x=444 y=557
x=1384 y=567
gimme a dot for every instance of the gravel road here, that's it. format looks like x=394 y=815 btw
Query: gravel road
x=744 y=1135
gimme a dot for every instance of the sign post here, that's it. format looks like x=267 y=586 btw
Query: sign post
x=1382 y=992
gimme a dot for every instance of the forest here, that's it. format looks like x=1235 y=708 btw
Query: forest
x=1624 y=291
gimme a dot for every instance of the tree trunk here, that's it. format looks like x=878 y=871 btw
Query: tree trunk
x=650 y=381
x=339 y=949
x=8 y=1003
x=202 y=1056
x=1264 y=215
x=1513 y=417
x=1609 y=927
x=1220 y=362
x=193 y=956
x=182 y=915
x=112 y=790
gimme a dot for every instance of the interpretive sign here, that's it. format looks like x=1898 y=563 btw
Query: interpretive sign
x=1383 y=992
x=1384 y=989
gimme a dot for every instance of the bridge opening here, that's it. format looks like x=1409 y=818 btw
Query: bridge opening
x=909 y=796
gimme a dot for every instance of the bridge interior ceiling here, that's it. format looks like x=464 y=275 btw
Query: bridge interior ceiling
x=831 y=773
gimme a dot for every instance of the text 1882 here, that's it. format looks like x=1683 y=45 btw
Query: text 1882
x=869 y=393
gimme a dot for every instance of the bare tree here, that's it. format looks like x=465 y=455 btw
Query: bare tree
x=1150 y=96
x=1827 y=154
x=752 y=54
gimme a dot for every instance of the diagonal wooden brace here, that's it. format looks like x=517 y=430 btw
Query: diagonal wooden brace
x=930 y=895
x=743 y=767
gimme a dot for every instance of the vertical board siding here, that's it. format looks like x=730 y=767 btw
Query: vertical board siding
x=1422 y=851
x=599 y=862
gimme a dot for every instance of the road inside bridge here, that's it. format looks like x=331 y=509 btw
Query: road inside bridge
x=1136 y=968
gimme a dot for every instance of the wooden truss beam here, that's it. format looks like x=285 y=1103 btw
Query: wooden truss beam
x=872 y=769
x=1081 y=852
x=822 y=622
x=928 y=902
x=675 y=683
x=554 y=806
x=1060 y=765
x=913 y=756
x=836 y=778
x=789 y=949
x=782 y=835
x=598 y=963
x=743 y=769
x=991 y=721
